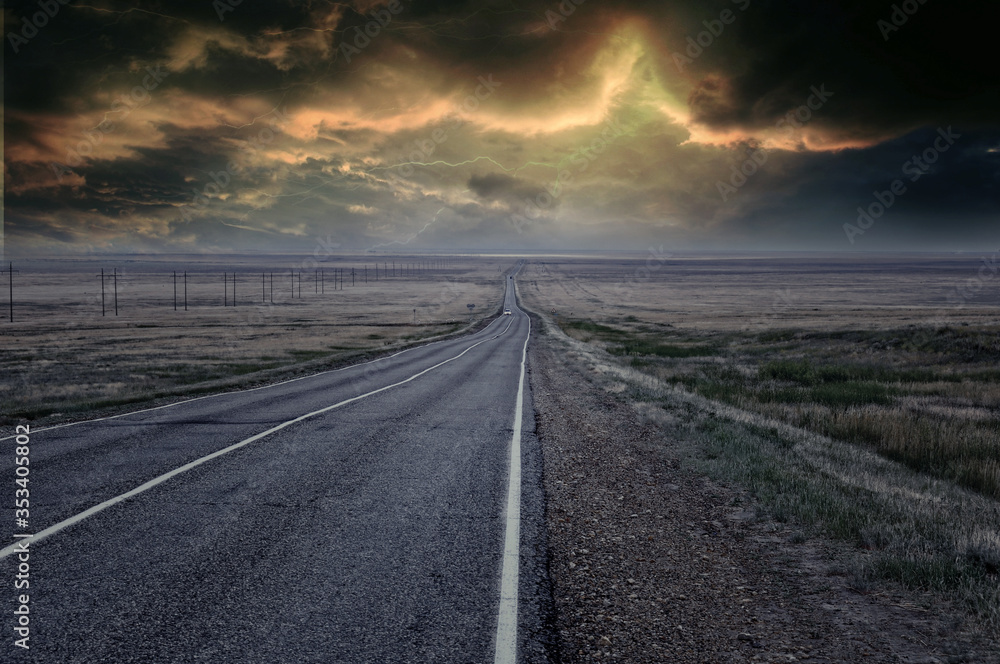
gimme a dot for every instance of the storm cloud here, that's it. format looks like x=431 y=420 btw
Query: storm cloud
x=215 y=126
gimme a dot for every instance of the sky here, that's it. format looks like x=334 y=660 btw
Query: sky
x=217 y=126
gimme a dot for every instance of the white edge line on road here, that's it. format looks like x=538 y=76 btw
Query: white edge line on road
x=506 y=639
x=249 y=389
x=66 y=523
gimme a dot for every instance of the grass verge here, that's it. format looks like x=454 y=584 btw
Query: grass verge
x=865 y=439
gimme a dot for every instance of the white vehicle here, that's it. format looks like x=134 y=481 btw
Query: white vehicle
x=506 y=312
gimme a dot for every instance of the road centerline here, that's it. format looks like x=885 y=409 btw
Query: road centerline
x=254 y=389
x=160 y=479
x=506 y=636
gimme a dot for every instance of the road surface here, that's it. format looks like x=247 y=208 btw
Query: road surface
x=358 y=515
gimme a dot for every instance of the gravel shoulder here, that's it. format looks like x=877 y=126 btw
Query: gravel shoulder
x=650 y=562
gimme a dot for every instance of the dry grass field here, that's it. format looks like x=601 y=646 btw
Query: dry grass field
x=62 y=358
x=882 y=365
x=857 y=397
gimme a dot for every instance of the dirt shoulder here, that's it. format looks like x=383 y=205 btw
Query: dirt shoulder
x=651 y=562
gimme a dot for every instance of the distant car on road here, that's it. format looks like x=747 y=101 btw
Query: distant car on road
x=506 y=312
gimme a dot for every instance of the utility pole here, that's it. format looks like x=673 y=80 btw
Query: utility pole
x=225 y=289
x=116 y=291
x=175 y=290
x=352 y=277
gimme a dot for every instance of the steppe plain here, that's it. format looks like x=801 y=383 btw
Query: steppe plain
x=747 y=457
x=66 y=355
x=771 y=458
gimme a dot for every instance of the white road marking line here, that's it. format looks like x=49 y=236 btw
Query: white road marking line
x=51 y=530
x=506 y=639
x=250 y=389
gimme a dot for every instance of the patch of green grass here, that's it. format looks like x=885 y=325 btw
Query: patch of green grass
x=756 y=458
x=985 y=376
x=304 y=355
x=656 y=349
x=860 y=400
x=597 y=329
x=921 y=574
x=782 y=395
x=805 y=372
x=795 y=371
x=243 y=368
x=851 y=393
x=773 y=336
x=922 y=398
x=718 y=390
x=918 y=554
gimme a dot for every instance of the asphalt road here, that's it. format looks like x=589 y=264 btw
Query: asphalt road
x=367 y=524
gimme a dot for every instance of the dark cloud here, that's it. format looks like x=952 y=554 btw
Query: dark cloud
x=499 y=187
x=450 y=118
x=887 y=77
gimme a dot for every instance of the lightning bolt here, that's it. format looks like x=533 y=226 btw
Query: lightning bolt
x=466 y=162
x=412 y=237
